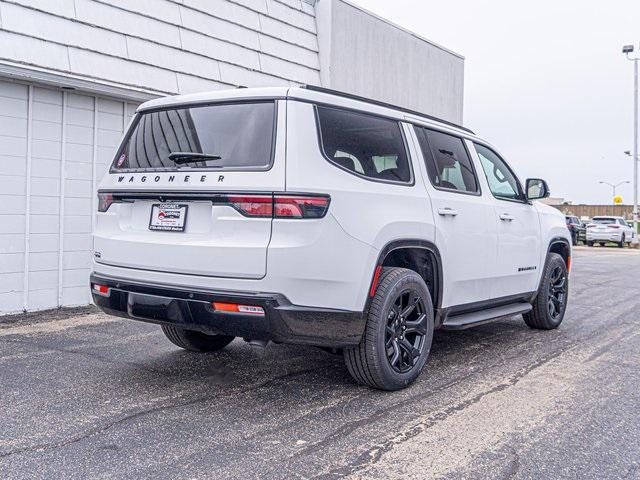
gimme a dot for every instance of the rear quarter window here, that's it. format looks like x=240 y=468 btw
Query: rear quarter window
x=364 y=145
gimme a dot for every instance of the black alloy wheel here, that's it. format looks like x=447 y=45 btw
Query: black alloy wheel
x=550 y=304
x=557 y=292
x=406 y=331
x=397 y=339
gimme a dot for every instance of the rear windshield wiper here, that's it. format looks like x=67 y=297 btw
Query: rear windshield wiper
x=181 y=158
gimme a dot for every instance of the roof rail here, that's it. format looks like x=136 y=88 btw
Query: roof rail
x=379 y=103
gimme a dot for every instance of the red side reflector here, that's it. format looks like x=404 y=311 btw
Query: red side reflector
x=235 y=308
x=101 y=289
x=569 y=264
x=376 y=278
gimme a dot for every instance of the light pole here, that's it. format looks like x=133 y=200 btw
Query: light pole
x=614 y=187
x=628 y=50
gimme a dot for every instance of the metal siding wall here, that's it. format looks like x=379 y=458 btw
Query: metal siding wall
x=370 y=57
x=14 y=107
x=165 y=46
x=56 y=147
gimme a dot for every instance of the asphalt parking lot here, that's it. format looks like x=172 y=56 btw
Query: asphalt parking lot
x=83 y=395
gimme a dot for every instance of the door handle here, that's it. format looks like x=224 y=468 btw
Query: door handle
x=447 y=212
x=507 y=218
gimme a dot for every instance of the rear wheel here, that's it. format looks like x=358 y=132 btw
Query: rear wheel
x=195 y=341
x=623 y=241
x=589 y=244
x=551 y=303
x=398 y=335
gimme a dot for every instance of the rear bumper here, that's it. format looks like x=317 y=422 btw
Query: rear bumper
x=192 y=310
x=608 y=237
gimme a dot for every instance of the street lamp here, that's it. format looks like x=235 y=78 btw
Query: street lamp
x=628 y=50
x=614 y=186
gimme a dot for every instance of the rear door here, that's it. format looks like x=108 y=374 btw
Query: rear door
x=463 y=216
x=190 y=190
x=518 y=228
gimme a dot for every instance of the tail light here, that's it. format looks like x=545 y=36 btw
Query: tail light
x=252 y=205
x=105 y=200
x=613 y=226
x=280 y=206
x=300 y=207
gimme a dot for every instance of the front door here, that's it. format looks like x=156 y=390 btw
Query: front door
x=518 y=228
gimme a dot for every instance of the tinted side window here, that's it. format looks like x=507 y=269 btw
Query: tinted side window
x=364 y=144
x=502 y=183
x=448 y=162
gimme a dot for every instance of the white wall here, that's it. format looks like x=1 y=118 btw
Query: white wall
x=363 y=54
x=55 y=146
x=164 y=46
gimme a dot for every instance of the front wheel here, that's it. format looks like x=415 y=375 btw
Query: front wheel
x=551 y=303
x=398 y=334
x=589 y=244
x=195 y=341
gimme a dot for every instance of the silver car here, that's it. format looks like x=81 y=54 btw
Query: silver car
x=609 y=229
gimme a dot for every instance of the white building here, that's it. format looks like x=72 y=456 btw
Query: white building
x=73 y=71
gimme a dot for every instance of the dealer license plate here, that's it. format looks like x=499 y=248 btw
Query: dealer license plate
x=168 y=217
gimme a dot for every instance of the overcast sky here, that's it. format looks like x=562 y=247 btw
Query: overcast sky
x=546 y=82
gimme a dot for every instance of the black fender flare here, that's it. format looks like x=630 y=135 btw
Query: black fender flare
x=412 y=243
x=552 y=242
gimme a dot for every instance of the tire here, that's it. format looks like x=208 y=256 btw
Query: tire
x=195 y=341
x=542 y=317
x=394 y=347
x=589 y=244
x=623 y=241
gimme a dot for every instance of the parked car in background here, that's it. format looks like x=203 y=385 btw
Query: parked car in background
x=609 y=229
x=577 y=229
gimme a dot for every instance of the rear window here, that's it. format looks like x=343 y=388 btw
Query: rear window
x=236 y=136
x=604 y=221
x=365 y=145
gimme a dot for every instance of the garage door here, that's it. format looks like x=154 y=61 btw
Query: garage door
x=55 y=145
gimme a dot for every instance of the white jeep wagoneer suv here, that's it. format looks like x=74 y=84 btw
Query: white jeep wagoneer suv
x=307 y=216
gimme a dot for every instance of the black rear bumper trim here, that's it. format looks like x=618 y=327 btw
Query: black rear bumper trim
x=191 y=309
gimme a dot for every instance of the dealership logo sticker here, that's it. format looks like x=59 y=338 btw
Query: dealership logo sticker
x=122 y=159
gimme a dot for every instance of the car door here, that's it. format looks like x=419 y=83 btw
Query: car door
x=463 y=217
x=628 y=229
x=517 y=225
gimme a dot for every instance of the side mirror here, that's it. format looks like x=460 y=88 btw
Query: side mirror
x=537 y=189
